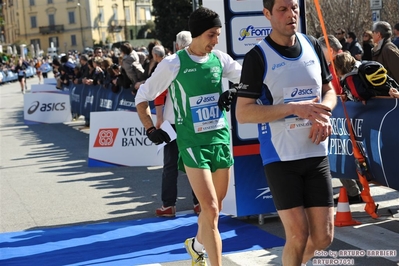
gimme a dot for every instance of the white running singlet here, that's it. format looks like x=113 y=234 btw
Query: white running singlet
x=289 y=80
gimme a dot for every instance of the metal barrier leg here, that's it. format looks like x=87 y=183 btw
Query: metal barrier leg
x=261 y=219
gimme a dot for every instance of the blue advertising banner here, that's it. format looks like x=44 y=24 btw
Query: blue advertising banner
x=125 y=102
x=75 y=93
x=374 y=126
x=96 y=98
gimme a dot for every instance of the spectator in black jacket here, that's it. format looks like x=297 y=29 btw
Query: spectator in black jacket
x=108 y=73
x=340 y=35
x=367 y=45
x=354 y=46
x=99 y=74
x=121 y=80
x=64 y=76
x=84 y=69
x=114 y=56
x=89 y=79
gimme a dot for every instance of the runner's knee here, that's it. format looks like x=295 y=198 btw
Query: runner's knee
x=321 y=242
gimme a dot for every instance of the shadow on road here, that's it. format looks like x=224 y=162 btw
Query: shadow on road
x=62 y=150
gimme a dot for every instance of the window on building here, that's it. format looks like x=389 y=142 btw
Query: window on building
x=33 y=22
x=31 y=2
x=143 y=15
x=50 y=2
x=36 y=43
x=101 y=14
x=148 y=14
x=53 y=40
x=127 y=14
x=71 y=17
x=73 y=40
x=51 y=20
x=115 y=12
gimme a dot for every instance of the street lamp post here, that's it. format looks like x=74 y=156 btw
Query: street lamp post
x=81 y=27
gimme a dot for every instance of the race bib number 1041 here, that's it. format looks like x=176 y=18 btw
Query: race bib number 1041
x=206 y=113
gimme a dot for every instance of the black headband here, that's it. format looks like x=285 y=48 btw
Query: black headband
x=197 y=27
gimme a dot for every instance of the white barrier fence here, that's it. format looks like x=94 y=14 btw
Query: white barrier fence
x=46 y=107
x=118 y=138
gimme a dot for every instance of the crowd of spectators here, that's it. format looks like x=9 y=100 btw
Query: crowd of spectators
x=125 y=67
x=128 y=68
x=378 y=45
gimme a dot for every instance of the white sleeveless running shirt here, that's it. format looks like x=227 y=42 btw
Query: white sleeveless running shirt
x=289 y=80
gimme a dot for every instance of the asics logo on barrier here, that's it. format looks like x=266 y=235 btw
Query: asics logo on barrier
x=34 y=107
x=46 y=107
x=106 y=137
x=301 y=92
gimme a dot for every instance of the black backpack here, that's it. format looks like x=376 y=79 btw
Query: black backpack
x=367 y=80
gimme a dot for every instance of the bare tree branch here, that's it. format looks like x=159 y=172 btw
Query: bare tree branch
x=351 y=15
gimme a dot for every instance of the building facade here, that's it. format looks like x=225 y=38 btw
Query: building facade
x=73 y=24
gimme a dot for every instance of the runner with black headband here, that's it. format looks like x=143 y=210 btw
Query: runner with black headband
x=194 y=78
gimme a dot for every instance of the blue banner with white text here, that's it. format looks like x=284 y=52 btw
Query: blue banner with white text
x=375 y=130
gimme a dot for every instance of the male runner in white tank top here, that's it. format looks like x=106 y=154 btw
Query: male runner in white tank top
x=289 y=94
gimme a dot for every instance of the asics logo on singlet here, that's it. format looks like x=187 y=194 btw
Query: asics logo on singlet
x=205 y=99
x=301 y=92
x=189 y=70
x=275 y=66
x=309 y=63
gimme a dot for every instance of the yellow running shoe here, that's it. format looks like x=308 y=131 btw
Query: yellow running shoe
x=197 y=258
